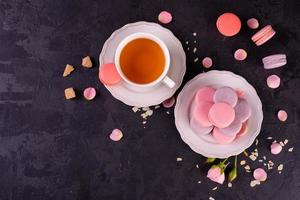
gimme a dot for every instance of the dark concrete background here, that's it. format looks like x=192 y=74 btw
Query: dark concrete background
x=51 y=148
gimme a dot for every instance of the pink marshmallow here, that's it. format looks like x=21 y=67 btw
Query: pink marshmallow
x=205 y=94
x=243 y=130
x=165 y=17
x=260 y=174
x=240 y=54
x=242 y=110
x=89 y=93
x=168 y=103
x=273 y=81
x=222 y=138
x=199 y=112
x=207 y=62
x=109 y=75
x=233 y=128
x=253 y=23
x=226 y=95
x=221 y=115
x=275 y=148
x=116 y=135
x=198 y=129
x=282 y=115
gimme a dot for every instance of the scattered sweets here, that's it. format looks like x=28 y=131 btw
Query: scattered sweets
x=165 y=17
x=116 y=135
x=68 y=70
x=240 y=54
x=260 y=174
x=169 y=102
x=263 y=35
x=274 y=61
x=207 y=62
x=86 y=62
x=228 y=24
x=70 y=93
x=282 y=115
x=275 y=148
x=89 y=93
x=109 y=75
x=253 y=23
x=273 y=81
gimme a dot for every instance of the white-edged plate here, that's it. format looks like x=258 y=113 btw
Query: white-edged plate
x=205 y=144
x=158 y=94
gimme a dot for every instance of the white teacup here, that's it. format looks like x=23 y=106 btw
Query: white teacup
x=163 y=78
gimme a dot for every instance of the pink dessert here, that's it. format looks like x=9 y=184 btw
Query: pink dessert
x=221 y=114
x=222 y=138
x=109 y=75
x=201 y=130
x=226 y=95
x=89 y=93
x=243 y=110
x=260 y=174
x=233 y=129
x=199 y=112
x=243 y=130
x=205 y=94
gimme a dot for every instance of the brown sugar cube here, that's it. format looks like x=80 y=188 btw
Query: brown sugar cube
x=70 y=93
x=86 y=62
x=68 y=70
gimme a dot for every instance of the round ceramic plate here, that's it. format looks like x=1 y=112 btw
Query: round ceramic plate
x=158 y=94
x=205 y=144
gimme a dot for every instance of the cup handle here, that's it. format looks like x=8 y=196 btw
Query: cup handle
x=168 y=82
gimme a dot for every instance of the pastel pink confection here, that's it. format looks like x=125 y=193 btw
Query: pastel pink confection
x=240 y=93
x=282 y=115
x=198 y=129
x=274 y=61
x=275 y=148
x=243 y=130
x=221 y=115
x=265 y=38
x=222 y=138
x=109 y=75
x=168 y=103
x=233 y=128
x=205 y=94
x=261 y=33
x=226 y=95
x=89 y=93
x=242 y=110
x=199 y=112
x=253 y=23
x=165 y=17
x=116 y=135
x=260 y=174
x=240 y=54
x=207 y=62
x=273 y=81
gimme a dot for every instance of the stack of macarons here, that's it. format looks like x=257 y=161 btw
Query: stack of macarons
x=222 y=112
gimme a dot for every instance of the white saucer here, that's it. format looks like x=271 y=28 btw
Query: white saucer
x=205 y=144
x=176 y=72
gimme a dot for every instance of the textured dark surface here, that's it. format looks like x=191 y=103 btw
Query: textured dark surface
x=51 y=148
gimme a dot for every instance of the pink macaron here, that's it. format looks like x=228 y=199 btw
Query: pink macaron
x=205 y=94
x=197 y=128
x=242 y=110
x=89 y=93
x=222 y=138
x=228 y=24
x=253 y=23
x=108 y=74
x=226 y=95
x=221 y=114
x=273 y=81
x=274 y=61
x=233 y=129
x=243 y=130
x=263 y=35
x=199 y=112
x=240 y=54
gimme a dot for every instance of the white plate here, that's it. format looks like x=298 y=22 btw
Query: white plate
x=205 y=145
x=156 y=95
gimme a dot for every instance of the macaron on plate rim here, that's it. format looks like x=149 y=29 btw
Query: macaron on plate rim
x=199 y=144
x=131 y=96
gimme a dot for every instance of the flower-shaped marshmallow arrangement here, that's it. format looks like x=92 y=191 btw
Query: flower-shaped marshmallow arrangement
x=222 y=112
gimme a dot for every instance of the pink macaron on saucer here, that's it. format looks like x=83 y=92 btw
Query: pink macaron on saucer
x=205 y=144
